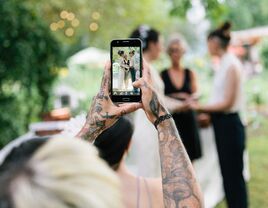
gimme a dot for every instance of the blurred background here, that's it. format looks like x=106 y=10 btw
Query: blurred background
x=52 y=54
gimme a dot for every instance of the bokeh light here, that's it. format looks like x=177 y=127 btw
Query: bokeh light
x=95 y=15
x=53 y=26
x=64 y=14
x=75 y=23
x=70 y=16
x=61 y=24
x=69 y=32
x=93 y=26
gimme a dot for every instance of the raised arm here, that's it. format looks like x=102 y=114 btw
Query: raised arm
x=180 y=188
x=103 y=113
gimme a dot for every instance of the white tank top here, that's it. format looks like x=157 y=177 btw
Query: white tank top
x=220 y=80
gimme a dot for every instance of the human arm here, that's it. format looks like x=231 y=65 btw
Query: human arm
x=103 y=113
x=174 y=102
x=173 y=105
x=194 y=84
x=180 y=188
x=230 y=93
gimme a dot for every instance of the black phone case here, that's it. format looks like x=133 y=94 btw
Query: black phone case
x=131 y=42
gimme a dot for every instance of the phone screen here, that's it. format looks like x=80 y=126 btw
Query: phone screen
x=126 y=69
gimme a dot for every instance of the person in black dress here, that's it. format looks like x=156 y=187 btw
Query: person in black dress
x=181 y=84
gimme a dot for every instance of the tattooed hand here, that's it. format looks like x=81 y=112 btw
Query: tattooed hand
x=103 y=112
x=150 y=102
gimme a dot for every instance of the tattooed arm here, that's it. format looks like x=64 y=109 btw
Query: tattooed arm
x=103 y=112
x=180 y=188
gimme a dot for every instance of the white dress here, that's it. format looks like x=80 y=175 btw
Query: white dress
x=121 y=75
x=143 y=157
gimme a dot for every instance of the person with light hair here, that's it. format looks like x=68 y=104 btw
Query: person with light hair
x=66 y=173
x=56 y=172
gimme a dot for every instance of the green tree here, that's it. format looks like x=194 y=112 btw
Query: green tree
x=28 y=56
x=243 y=14
x=247 y=14
x=264 y=54
x=214 y=9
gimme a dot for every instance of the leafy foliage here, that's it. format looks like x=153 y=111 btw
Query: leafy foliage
x=243 y=14
x=264 y=54
x=29 y=53
x=246 y=14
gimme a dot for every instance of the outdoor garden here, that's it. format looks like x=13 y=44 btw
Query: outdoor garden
x=39 y=39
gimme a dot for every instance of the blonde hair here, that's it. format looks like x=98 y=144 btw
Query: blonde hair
x=177 y=39
x=66 y=173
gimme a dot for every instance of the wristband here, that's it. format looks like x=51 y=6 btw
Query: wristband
x=161 y=119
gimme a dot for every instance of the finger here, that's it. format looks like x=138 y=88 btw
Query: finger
x=106 y=79
x=128 y=108
x=142 y=84
x=138 y=83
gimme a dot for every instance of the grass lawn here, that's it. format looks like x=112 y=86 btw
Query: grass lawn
x=258 y=153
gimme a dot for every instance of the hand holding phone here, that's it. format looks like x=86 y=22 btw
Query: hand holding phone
x=103 y=113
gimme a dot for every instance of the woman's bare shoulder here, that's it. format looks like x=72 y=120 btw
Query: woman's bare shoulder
x=155 y=186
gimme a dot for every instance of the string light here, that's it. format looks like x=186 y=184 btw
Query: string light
x=95 y=15
x=70 y=16
x=75 y=23
x=61 y=24
x=64 y=14
x=69 y=32
x=93 y=26
x=53 y=26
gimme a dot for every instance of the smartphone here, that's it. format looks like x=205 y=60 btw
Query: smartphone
x=126 y=62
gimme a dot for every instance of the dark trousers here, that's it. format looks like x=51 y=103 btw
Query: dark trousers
x=230 y=141
x=133 y=76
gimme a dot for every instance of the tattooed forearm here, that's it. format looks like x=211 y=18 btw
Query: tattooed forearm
x=97 y=119
x=180 y=188
x=106 y=116
x=92 y=129
x=103 y=112
x=154 y=105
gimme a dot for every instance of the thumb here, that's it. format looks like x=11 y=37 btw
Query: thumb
x=139 y=83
